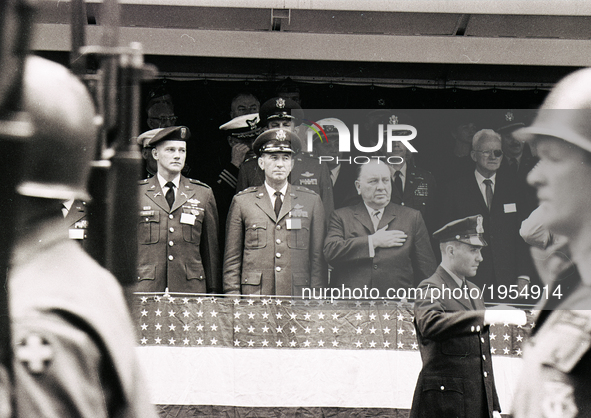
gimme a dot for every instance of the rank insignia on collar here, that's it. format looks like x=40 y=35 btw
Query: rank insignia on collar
x=393 y=120
x=280 y=103
x=157 y=194
x=184 y=194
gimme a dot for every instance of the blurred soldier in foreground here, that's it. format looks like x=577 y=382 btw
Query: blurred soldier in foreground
x=275 y=231
x=557 y=362
x=178 y=223
x=72 y=335
x=452 y=331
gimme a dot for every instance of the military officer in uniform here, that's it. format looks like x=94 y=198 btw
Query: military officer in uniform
x=280 y=113
x=275 y=231
x=72 y=336
x=457 y=376
x=178 y=224
x=556 y=379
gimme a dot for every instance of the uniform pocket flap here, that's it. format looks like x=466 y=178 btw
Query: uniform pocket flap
x=146 y=272
x=252 y=278
x=443 y=384
x=195 y=271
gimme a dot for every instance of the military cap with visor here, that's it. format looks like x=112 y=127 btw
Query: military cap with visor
x=172 y=133
x=467 y=230
x=277 y=140
x=243 y=127
x=280 y=108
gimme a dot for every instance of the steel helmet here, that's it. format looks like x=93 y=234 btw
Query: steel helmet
x=64 y=132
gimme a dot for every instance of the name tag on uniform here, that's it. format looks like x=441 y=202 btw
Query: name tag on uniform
x=293 y=223
x=187 y=218
x=76 y=233
x=510 y=207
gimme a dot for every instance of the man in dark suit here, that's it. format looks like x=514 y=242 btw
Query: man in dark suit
x=178 y=224
x=275 y=231
x=452 y=331
x=506 y=258
x=377 y=243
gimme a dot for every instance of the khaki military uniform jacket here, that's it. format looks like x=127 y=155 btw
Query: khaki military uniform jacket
x=178 y=247
x=271 y=255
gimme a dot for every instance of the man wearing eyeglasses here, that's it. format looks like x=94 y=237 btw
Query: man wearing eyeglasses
x=494 y=195
x=161 y=115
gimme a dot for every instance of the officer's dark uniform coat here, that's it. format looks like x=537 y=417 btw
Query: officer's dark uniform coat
x=178 y=247
x=418 y=193
x=457 y=377
x=346 y=248
x=263 y=256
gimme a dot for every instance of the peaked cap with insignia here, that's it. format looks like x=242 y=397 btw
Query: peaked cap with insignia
x=243 y=127
x=467 y=230
x=172 y=133
x=280 y=108
x=277 y=140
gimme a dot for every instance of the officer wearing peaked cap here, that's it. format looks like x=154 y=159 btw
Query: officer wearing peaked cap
x=282 y=113
x=453 y=330
x=178 y=223
x=275 y=231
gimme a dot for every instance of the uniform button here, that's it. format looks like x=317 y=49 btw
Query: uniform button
x=485 y=374
x=482 y=340
x=278 y=255
x=278 y=241
x=442 y=388
x=278 y=268
x=147 y=219
x=375 y=266
x=278 y=227
x=472 y=328
x=171 y=243
x=478 y=328
x=170 y=257
x=483 y=357
x=170 y=216
x=171 y=229
x=402 y=203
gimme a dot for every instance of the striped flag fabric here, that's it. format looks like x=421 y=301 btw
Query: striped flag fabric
x=269 y=356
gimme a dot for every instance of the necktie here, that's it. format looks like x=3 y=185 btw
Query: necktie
x=398 y=181
x=278 y=203
x=467 y=292
x=377 y=215
x=170 y=193
x=489 y=192
x=513 y=166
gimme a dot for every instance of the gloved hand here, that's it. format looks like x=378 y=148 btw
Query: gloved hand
x=504 y=314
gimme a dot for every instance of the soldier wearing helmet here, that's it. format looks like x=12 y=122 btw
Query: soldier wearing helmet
x=275 y=231
x=72 y=334
x=556 y=381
